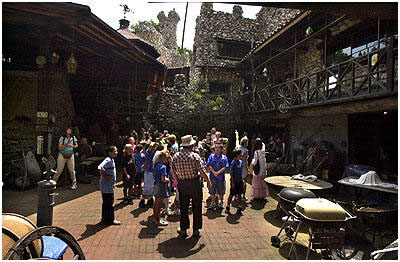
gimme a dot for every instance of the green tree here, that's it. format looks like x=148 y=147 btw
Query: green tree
x=151 y=21
x=187 y=51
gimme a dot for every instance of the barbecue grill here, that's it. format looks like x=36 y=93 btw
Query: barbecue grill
x=325 y=221
x=287 y=202
x=378 y=219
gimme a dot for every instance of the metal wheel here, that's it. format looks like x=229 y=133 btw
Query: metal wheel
x=17 y=251
x=275 y=241
x=289 y=231
x=284 y=100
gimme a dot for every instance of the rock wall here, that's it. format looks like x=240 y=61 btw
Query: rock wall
x=165 y=40
x=168 y=25
x=212 y=25
x=200 y=106
x=172 y=104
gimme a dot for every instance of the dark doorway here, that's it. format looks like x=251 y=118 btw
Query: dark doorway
x=373 y=141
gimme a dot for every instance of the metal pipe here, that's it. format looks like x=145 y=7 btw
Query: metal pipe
x=184 y=26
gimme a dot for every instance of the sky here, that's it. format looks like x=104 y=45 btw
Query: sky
x=111 y=12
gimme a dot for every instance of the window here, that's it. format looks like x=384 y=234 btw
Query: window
x=230 y=49
x=217 y=87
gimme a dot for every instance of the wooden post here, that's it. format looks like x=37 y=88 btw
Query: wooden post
x=379 y=45
x=390 y=65
x=325 y=39
x=295 y=55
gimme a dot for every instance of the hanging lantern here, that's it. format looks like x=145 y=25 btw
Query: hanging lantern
x=265 y=72
x=309 y=31
x=54 y=58
x=72 y=64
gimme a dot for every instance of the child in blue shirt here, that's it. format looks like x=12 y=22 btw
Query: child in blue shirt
x=236 y=181
x=217 y=163
x=140 y=165
x=107 y=184
x=160 y=187
x=148 y=181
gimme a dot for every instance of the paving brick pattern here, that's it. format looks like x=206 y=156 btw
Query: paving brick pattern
x=223 y=236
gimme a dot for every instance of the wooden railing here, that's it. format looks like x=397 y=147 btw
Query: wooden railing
x=355 y=79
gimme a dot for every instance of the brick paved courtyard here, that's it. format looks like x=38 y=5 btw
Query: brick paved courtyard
x=223 y=236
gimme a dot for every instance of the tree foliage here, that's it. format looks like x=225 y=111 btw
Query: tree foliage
x=187 y=51
x=151 y=21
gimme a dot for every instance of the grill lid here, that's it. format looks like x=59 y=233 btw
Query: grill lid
x=293 y=194
x=320 y=209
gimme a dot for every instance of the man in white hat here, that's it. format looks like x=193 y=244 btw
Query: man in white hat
x=187 y=167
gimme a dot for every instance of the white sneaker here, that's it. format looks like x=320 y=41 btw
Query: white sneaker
x=162 y=223
x=74 y=186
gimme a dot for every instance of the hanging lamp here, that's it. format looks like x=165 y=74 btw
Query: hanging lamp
x=72 y=64
x=309 y=30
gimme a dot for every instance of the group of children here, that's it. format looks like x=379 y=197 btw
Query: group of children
x=218 y=163
x=150 y=163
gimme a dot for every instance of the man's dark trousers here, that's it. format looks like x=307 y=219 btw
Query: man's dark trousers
x=191 y=189
x=107 y=208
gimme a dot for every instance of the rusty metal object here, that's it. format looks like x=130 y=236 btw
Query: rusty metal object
x=16 y=226
x=17 y=251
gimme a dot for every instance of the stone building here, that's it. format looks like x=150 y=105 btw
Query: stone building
x=221 y=41
x=164 y=40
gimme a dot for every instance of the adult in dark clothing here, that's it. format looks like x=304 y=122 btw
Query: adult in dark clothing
x=128 y=173
x=187 y=168
x=84 y=150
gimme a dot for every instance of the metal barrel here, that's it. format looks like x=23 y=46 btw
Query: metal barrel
x=14 y=227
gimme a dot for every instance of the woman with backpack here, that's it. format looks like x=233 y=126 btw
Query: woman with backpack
x=66 y=145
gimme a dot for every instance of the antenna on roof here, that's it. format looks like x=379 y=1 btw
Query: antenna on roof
x=126 y=10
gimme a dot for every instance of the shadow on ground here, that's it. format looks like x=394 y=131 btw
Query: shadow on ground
x=150 y=231
x=136 y=212
x=233 y=219
x=299 y=252
x=213 y=214
x=258 y=204
x=179 y=248
x=13 y=202
x=92 y=230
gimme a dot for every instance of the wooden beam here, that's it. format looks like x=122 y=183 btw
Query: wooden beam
x=126 y=52
x=301 y=17
x=305 y=39
x=138 y=56
x=33 y=9
x=344 y=108
x=87 y=34
x=107 y=35
x=95 y=34
x=123 y=56
x=90 y=50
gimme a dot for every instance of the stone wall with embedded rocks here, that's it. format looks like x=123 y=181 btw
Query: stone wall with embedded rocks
x=212 y=25
x=172 y=104
x=164 y=41
x=220 y=110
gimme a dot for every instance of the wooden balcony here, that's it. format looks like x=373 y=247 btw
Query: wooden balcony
x=368 y=76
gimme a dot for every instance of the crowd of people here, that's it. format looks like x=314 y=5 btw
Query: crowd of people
x=155 y=167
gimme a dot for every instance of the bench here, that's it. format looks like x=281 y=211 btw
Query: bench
x=84 y=166
x=54 y=247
